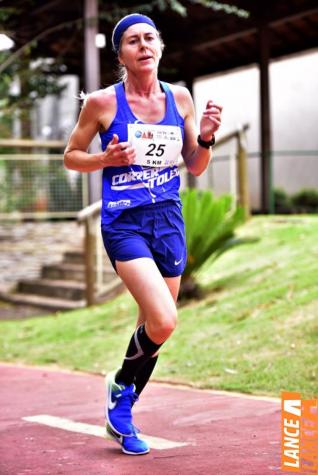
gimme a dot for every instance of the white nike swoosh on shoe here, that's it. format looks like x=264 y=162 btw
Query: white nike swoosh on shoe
x=176 y=263
x=111 y=404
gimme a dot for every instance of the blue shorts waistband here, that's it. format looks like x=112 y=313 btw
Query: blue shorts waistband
x=157 y=205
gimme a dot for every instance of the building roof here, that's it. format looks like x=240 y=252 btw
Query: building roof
x=203 y=42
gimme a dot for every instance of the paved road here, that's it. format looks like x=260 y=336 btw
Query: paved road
x=195 y=432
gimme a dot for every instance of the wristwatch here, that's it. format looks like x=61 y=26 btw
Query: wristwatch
x=205 y=144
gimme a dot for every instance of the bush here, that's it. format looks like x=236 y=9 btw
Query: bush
x=282 y=202
x=210 y=231
x=305 y=201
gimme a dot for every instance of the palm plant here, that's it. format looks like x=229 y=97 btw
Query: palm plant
x=210 y=231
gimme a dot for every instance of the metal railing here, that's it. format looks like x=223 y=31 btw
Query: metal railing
x=95 y=259
x=97 y=283
x=34 y=184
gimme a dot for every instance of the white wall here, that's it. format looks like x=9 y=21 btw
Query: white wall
x=294 y=97
x=55 y=118
x=294 y=113
x=237 y=93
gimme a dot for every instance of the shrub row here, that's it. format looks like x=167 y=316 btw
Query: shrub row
x=304 y=201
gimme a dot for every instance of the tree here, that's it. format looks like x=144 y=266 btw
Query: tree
x=21 y=86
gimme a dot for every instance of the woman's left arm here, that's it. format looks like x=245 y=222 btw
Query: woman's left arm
x=195 y=156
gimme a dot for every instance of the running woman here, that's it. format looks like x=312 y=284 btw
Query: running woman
x=145 y=125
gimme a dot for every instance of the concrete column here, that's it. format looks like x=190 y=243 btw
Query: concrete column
x=265 y=168
x=92 y=64
x=191 y=179
x=92 y=82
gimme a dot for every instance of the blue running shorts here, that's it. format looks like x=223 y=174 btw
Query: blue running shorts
x=155 y=231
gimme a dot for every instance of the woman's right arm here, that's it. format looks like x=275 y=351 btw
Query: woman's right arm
x=76 y=156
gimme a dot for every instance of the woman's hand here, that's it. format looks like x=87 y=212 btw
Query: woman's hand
x=210 y=121
x=118 y=154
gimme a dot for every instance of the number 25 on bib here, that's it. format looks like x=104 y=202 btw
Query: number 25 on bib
x=155 y=145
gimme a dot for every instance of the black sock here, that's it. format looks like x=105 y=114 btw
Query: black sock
x=143 y=375
x=140 y=349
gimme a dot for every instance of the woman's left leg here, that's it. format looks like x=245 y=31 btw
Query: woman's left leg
x=146 y=284
x=143 y=375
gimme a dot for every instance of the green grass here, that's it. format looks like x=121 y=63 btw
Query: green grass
x=255 y=330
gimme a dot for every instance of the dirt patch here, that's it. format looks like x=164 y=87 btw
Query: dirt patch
x=20 y=312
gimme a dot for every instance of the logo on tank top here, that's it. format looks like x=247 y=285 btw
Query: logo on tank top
x=146 y=178
x=147 y=134
x=119 y=204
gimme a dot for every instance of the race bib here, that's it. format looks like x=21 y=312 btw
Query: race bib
x=155 y=145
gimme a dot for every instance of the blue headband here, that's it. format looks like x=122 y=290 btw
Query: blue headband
x=125 y=23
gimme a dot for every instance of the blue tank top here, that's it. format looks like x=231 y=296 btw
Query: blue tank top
x=130 y=186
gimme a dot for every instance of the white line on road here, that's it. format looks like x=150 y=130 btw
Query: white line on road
x=98 y=431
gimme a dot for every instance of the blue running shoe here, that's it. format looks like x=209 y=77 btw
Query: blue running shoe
x=129 y=445
x=120 y=399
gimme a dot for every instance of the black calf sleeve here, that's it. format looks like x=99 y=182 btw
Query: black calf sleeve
x=140 y=349
x=143 y=375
